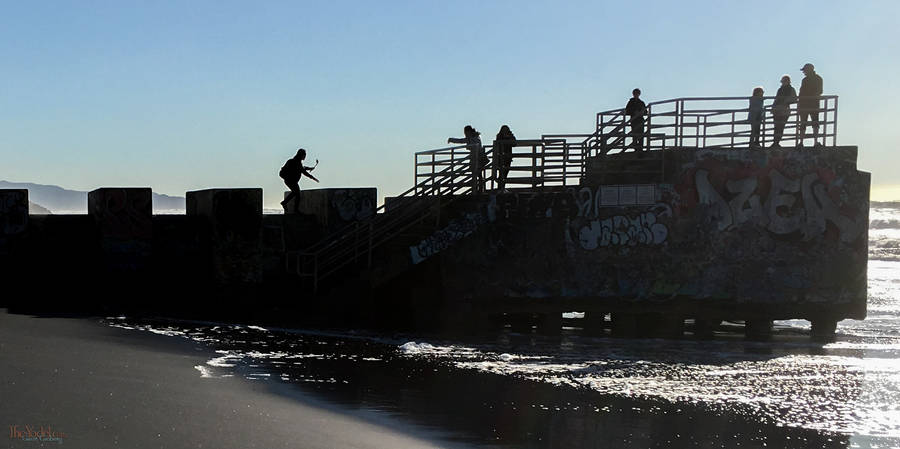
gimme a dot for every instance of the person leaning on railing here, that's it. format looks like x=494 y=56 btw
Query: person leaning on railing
x=808 y=105
x=477 y=158
x=781 y=108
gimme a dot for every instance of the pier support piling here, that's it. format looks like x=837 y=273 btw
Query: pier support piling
x=594 y=323
x=823 y=330
x=625 y=324
x=758 y=329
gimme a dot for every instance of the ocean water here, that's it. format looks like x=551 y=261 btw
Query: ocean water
x=513 y=389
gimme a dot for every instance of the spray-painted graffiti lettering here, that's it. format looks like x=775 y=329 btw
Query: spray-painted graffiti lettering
x=354 y=205
x=620 y=230
x=780 y=211
x=455 y=231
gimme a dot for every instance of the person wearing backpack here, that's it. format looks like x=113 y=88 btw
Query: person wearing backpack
x=291 y=172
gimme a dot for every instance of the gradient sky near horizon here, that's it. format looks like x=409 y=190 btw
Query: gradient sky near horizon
x=182 y=96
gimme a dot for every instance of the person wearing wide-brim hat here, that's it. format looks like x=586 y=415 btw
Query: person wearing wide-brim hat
x=808 y=102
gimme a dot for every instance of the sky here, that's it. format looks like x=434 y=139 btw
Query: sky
x=188 y=95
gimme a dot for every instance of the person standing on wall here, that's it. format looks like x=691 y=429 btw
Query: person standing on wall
x=755 y=116
x=477 y=159
x=636 y=110
x=291 y=172
x=808 y=105
x=781 y=108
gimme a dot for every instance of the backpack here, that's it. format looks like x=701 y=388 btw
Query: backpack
x=288 y=170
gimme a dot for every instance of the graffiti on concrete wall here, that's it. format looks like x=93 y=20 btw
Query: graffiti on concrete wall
x=789 y=206
x=353 y=204
x=455 y=231
x=532 y=205
x=621 y=230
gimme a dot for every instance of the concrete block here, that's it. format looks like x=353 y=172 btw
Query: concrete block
x=336 y=208
x=234 y=220
x=124 y=219
x=13 y=211
x=122 y=213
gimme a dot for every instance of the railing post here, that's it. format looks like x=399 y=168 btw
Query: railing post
x=704 y=130
x=697 y=131
x=834 y=128
x=679 y=120
x=797 y=126
x=452 y=170
x=649 y=129
x=733 y=117
x=474 y=162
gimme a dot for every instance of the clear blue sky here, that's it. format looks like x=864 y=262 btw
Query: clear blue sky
x=194 y=94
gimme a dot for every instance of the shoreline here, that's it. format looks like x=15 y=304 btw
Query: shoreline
x=418 y=402
x=104 y=387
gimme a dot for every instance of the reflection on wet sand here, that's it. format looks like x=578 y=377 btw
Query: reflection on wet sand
x=571 y=391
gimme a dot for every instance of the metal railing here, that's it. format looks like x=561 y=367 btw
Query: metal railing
x=706 y=122
x=551 y=161
x=357 y=241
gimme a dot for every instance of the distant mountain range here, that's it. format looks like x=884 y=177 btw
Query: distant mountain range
x=57 y=200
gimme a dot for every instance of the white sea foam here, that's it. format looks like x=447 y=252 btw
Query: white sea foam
x=412 y=347
x=204 y=371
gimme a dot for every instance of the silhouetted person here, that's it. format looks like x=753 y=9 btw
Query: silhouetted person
x=808 y=105
x=755 y=116
x=781 y=108
x=503 y=146
x=291 y=172
x=477 y=158
x=636 y=110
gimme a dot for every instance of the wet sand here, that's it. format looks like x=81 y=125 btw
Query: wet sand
x=105 y=387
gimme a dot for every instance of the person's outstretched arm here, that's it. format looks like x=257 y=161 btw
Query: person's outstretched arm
x=308 y=175
x=457 y=140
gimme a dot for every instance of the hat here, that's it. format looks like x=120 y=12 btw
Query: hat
x=808 y=66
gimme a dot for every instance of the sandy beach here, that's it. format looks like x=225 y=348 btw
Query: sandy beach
x=93 y=386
